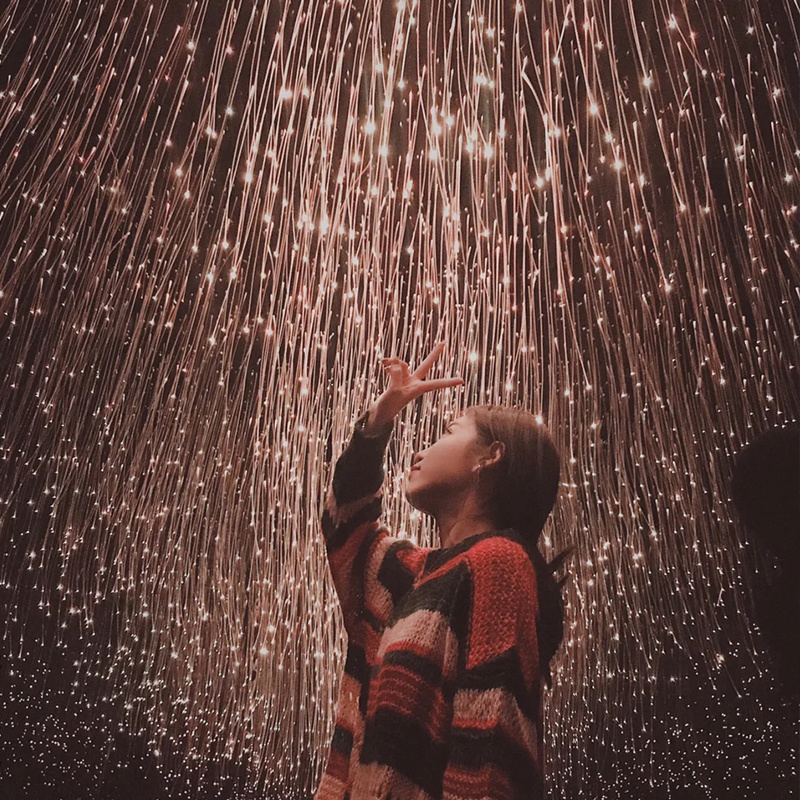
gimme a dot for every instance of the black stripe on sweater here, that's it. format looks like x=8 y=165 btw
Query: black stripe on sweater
x=504 y=672
x=355 y=663
x=357 y=667
x=342 y=740
x=393 y=574
x=359 y=469
x=446 y=593
x=438 y=558
x=476 y=748
x=428 y=670
x=336 y=536
x=404 y=744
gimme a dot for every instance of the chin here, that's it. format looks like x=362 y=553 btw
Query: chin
x=418 y=497
x=412 y=494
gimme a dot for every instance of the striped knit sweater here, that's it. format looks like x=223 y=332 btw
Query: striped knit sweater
x=440 y=695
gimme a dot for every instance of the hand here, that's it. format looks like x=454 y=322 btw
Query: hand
x=405 y=386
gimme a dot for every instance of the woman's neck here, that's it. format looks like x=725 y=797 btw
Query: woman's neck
x=455 y=529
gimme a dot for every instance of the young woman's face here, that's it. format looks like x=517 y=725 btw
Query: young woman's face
x=446 y=467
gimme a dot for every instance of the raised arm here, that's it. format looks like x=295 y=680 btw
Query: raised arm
x=371 y=569
x=365 y=562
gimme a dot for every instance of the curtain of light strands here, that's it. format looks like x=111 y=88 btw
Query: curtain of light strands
x=217 y=218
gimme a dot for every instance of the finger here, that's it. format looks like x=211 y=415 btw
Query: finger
x=397 y=368
x=422 y=370
x=441 y=383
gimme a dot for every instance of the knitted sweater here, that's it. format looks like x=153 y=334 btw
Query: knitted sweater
x=440 y=695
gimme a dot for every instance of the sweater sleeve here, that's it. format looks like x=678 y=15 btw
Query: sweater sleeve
x=371 y=570
x=495 y=749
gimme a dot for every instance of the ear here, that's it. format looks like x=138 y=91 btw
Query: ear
x=496 y=452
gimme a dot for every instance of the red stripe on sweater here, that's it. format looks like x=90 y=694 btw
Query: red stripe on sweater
x=473 y=784
x=402 y=691
x=338 y=765
x=504 y=602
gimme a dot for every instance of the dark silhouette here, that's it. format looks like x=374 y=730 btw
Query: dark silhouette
x=766 y=492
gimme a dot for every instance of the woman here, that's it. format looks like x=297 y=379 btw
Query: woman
x=448 y=647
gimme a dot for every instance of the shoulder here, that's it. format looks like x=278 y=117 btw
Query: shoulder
x=498 y=552
x=504 y=602
x=501 y=564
